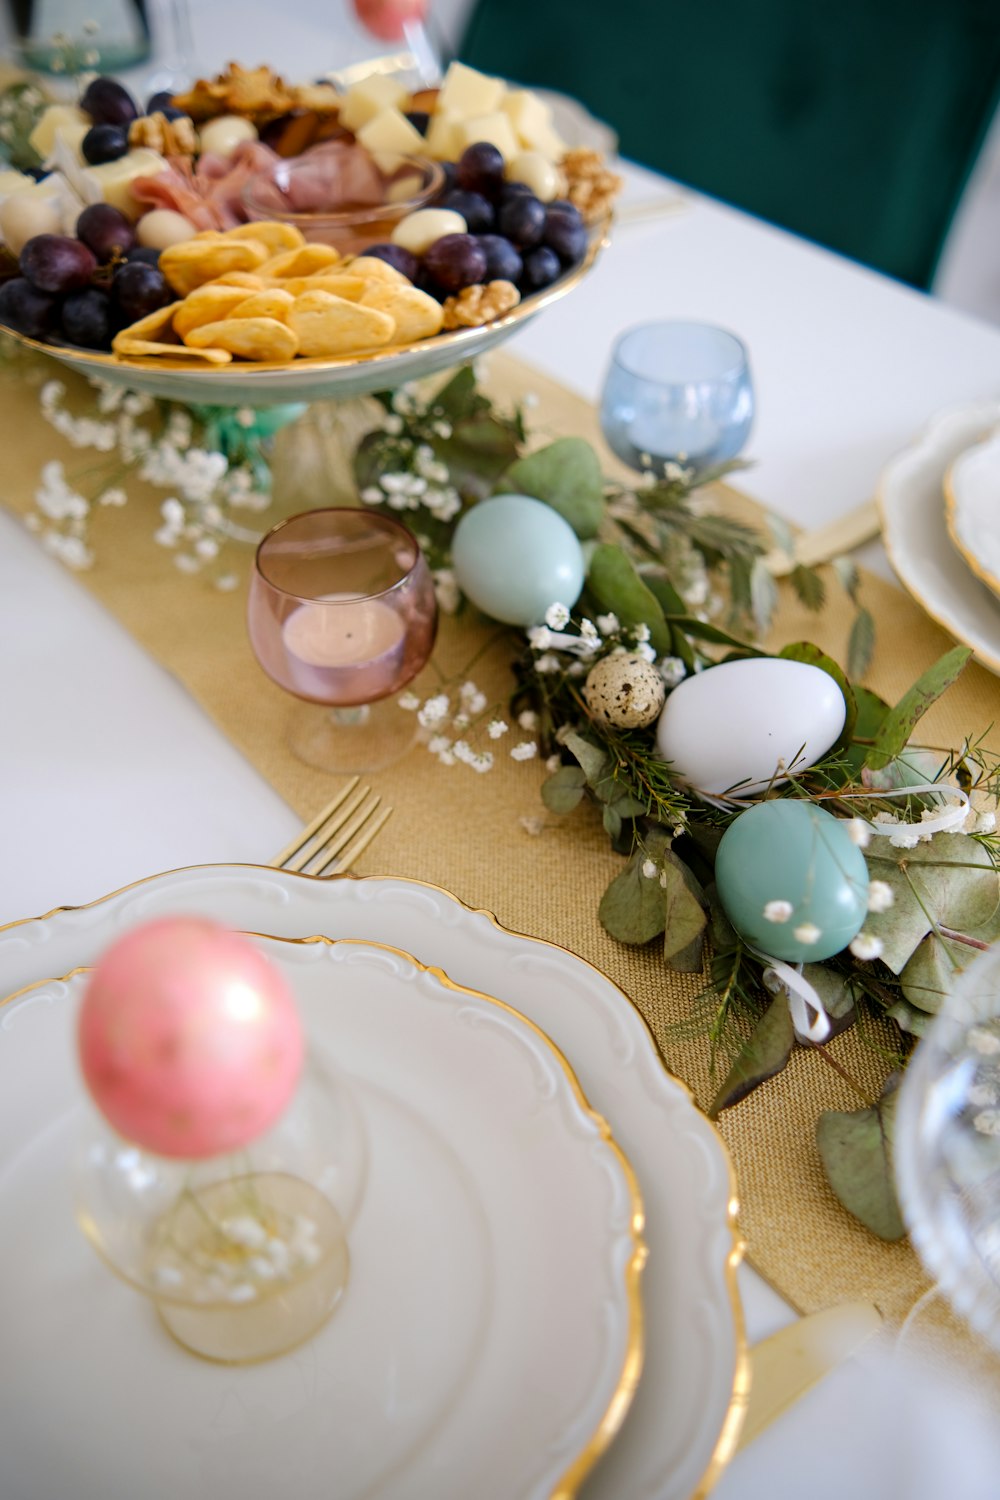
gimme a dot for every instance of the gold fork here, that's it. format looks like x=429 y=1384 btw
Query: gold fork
x=338 y=835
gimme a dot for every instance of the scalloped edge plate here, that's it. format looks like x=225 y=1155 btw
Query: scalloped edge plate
x=972 y=509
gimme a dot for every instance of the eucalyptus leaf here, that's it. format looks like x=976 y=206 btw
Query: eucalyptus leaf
x=871 y=712
x=900 y=722
x=563 y=790
x=763 y=594
x=591 y=757
x=627 y=806
x=632 y=908
x=835 y=992
x=689 y=960
x=616 y=585
x=459 y=396
x=950 y=881
x=856 y=1151
x=848 y=576
x=805 y=651
x=479 y=450
x=914 y=1022
x=781 y=533
x=720 y=929
x=861 y=643
x=566 y=475
x=929 y=974
x=703 y=631
x=684 y=903
x=764 y=1054
x=612 y=821
x=808 y=586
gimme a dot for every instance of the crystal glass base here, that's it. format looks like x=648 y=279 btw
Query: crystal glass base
x=348 y=740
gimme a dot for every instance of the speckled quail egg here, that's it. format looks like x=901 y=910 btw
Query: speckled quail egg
x=624 y=690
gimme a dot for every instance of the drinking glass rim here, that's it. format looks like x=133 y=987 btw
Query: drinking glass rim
x=741 y=360
x=388 y=521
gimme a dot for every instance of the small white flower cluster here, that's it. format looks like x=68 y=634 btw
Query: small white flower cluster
x=426 y=487
x=448 y=720
x=245 y=1258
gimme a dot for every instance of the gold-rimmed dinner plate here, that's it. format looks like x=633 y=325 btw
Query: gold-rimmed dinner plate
x=490 y=1338
x=683 y=1425
x=972 y=509
x=911 y=506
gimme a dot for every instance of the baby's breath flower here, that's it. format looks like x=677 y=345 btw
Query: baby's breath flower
x=372 y=495
x=531 y=824
x=114 y=496
x=526 y=750
x=649 y=869
x=986 y=822
x=880 y=896
x=408 y=701
x=528 y=719
x=393 y=424
x=553 y=763
x=777 y=911
x=807 y=933
x=227 y=582
x=438 y=743
x=672 y=670
x=589 y=631
x=539 y=638
x=434 y=711
x=987 y=1122
x=646 y=651
x=859 y=833
x=548 y=664
x=556 y=616
x=865 y=946
x=608 y=624
x=640 y=632
x=496 y=729
x=446 y=590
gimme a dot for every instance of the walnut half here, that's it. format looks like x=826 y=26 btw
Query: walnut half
x=476 y=305
x=168 y=137
x=590 y=186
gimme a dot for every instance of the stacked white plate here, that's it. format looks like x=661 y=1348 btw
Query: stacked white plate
x=939 y=503
x=492 y=1333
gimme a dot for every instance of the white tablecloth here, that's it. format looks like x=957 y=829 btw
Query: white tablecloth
x=110 y=772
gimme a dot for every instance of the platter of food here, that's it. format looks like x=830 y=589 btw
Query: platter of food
x=250 y=242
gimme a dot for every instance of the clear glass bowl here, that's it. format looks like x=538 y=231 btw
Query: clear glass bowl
x=319 y=178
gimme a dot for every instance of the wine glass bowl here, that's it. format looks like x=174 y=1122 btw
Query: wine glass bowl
x=341 y=612
x=677 y=393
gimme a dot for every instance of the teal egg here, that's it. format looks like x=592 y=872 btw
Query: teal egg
x=514 y=556
x=790 y=850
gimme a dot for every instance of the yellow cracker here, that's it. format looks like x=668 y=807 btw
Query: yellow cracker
x=329 y=325
x=270 y=232
x=173 y=351
x=273 y=303
x=374 y=269
x=153 y=323
x=208 y=304
x=250 y=338
x=300 y=262
x=246 y=279
x=340 y=284
x=416 y=315
x=193 y=262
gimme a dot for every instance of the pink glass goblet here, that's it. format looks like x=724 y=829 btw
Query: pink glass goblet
x=342 y=614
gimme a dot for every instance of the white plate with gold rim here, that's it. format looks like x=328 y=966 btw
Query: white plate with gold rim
x=489 y=1339
x=911 y=507
x=972 y=509
x=684 y=1422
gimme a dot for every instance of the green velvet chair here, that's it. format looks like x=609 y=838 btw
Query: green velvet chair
x=854 y=124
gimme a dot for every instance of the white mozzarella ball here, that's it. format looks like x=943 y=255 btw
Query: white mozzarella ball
x=224 y=134
x=23 y=215
x=163 y=227
x=536 y=172
x=418 y=231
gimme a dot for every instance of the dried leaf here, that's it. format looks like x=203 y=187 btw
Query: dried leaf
x=632 y=908
x=684 y=908
x=616 y=585
x=835 y=993
x=900 y=722
x=592 y=758
x=856 y=1152
x=566 y=475
x=951 y=879
x=861 y=644
x=930 y=972
x=563 y=790
x=765 y=1053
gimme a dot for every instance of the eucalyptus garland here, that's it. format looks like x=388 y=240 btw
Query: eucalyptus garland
x=674 y=585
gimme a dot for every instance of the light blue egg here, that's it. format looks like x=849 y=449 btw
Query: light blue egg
x=514 y=556
x=790 y=850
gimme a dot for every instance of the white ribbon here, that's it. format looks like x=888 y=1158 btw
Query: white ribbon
x=810 y=1020
x=949 y=817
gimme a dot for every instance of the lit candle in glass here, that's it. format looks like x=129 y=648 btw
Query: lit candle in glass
x=350 y=652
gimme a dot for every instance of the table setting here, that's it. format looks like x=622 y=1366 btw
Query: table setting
x=636 y=861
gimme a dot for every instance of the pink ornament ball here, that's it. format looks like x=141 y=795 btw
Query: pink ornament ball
x=189 y=1038
x=386 y=19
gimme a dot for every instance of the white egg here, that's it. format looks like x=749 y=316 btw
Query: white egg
x=418 y=231
x=536 y=172
x=730 y=727
x=162 y=227
x=223 y=134
x=23 y=215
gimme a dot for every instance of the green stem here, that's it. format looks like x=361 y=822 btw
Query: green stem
x=842 y=1071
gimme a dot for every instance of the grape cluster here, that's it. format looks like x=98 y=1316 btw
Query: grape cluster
x=84 y=290
x=511 y=234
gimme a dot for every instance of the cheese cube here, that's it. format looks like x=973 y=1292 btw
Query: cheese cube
x=443 y=137
x=465 y=92
x=111 y=182
x=390 y=136
x=42 y=138
x=14 y=182
x=364 y=100
x=526 y=110
x=495 y=128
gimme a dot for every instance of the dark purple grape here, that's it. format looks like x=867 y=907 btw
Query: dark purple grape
x=541 y=268
x=449 y=169
x=26 y=309
x=86 y=318
x=480 y=169
x=514 y=190
x=108 y=103
x=104 y=143
x=424 y=282
x=159 y=102
x=503 y=263
x=401 y=260
x=144 y=254
x=419 y=119
x=57 y=263
x=137 y=289
x=455 y=260
x=106 y=231
x=521 y=218
x=565 y=232
x=476 y=210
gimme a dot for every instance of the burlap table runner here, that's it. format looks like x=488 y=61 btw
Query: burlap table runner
x=464 y=832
